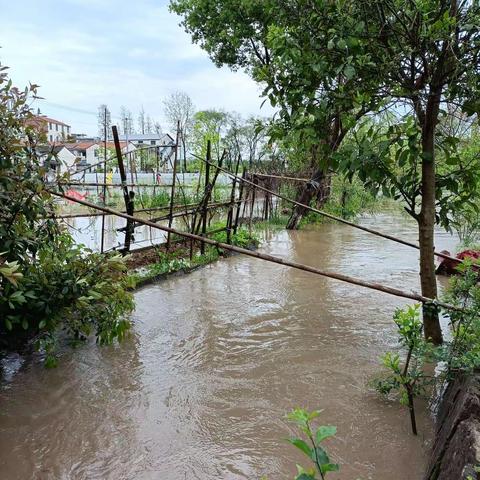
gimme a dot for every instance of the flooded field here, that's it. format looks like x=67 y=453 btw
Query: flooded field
x=215 y=361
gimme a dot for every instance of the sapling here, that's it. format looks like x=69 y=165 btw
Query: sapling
x=409 y=378
x=310 y=446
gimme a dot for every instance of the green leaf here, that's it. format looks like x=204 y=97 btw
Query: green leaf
x=321 y=455
x=305 y=476
x=301 y=445
x=349 y=72
x=330 y=467
x=325 y=431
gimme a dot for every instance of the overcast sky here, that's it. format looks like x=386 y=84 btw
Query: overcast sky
x=120 y=52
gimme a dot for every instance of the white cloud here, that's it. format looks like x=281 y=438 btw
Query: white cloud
x=132 y=63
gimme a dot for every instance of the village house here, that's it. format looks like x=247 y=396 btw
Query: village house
x=163 y=141
x=90 y=153
x=54 y=130
x=57 y=158
x=149 y=139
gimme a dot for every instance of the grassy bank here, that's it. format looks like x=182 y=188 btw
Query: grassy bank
x=157 y=263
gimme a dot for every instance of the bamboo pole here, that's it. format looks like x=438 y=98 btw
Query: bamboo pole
x=127 y=196
x=239 y=203
x=281 y=177
x=172 y=199
x=104 y=175
x=206 y=195
x=232 y=203
x=140 y=210
x=118 y=185
x=212 y=206
x=269 y=258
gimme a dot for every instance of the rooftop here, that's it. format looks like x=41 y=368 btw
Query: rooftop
x=135 y=137
x=44 y=118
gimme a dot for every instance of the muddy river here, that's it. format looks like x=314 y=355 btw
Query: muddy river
x=215 y=361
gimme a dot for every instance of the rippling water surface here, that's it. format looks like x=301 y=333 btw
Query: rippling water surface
x=215 y=360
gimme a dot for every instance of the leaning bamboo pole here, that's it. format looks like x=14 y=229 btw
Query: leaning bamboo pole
x=118 y=185
x=140 y=210
x=262 y=256
x=283 y=177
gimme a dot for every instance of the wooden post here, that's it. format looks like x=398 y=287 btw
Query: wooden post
x=127 y=196
x=172 y=198
x=232 y=203
x=240 y=199
x=266 y=204
x=206 y=196
x=252 y=205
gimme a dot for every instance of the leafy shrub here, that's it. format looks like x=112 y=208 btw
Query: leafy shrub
x=243 y=238
x=408 y=379
x=47 y=283
x=460 y=355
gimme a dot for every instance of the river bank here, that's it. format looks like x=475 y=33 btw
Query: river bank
x=456 y=447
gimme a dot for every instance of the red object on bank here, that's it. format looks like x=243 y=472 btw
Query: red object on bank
x=75 y=194
x=448 y=267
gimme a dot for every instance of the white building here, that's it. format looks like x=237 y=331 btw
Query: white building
x=57 y=158
x=162 y=143
x=149 y=139
x=55 y=130
x=91 y=153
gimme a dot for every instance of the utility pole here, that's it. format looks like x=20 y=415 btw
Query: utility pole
x=104 y=175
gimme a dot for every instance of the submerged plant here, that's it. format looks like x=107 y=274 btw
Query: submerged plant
x=408 y=379
x=311 y=442
x=458 y=356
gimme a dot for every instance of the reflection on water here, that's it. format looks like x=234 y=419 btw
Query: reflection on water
x=215 y=361
x=88 y=230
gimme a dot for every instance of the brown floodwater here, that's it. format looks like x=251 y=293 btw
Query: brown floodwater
x=215 y=361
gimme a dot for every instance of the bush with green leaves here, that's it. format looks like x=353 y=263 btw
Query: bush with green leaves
x=348 y=199
x=47 y=283
x=243 y=238
x=408 y=379
x=463 y=353
x=459 y=355
x=311 y=444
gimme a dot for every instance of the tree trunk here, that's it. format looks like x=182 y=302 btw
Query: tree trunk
x=324 y=191
x=426 y=222
x=309 y=190
x=320 y=183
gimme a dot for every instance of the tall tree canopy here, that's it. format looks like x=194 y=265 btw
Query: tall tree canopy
x=327 y=63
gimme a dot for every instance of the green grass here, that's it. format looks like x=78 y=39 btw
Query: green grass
x=177 y=261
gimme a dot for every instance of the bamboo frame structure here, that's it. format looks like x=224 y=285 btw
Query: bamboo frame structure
x=262 y=256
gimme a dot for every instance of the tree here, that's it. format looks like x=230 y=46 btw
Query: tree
x=246 y=138
x=149 y=125
x=126 y=121
x=289 y=49
x=208 y=125
x=104 y=122
x=142 y=121
x=179 y=109
x=427 y=55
